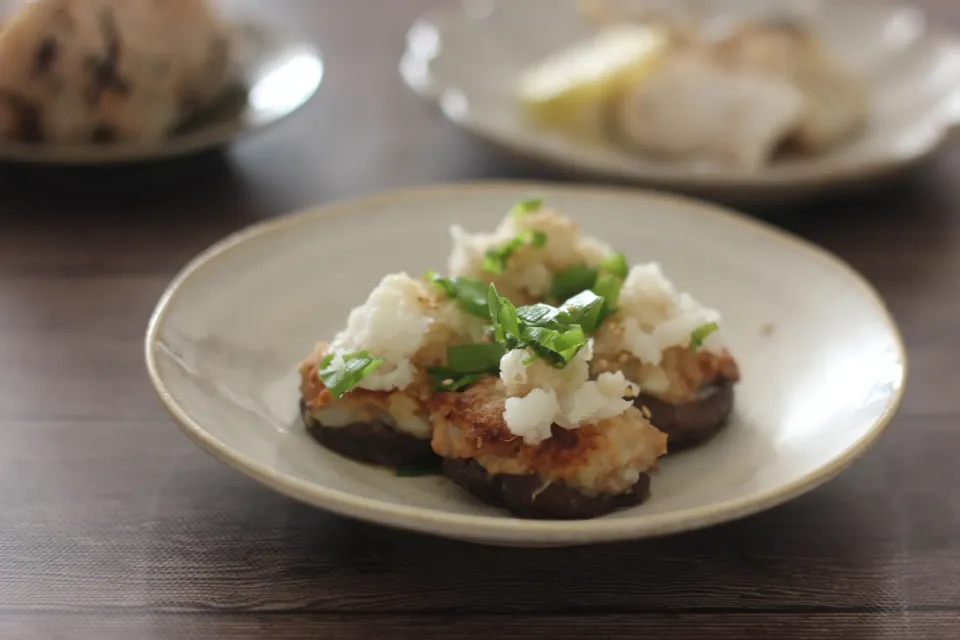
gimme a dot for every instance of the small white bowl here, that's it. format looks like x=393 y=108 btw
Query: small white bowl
x=467 y=59
x=823 y=363
x=279 y=74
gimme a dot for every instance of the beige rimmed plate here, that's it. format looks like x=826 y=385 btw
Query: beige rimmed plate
x=278 y=72
x=823 y=363
x=467 y=56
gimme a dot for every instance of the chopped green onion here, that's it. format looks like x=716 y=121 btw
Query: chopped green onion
x=469 y=292
x=432 y=468
x=445 y=284
x=527 y=206
x=475 y=358
x=538 y=315
x=572 y=281
x=616 y=265
x=605 y=281
x=556 y=347
x=340 y=379
x=503 y=315
x=466 y=364
x=550 y=333
x=698 y=335
x=444 y=379
x=584 y=309
x=495 y=260
x=608 y=287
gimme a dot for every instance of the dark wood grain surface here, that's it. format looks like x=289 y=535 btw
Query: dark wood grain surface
x=112 y=525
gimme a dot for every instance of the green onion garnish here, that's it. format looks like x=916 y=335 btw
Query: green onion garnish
x=340 y=379
x=469 y=292
x=616 y=265
x=475 y=358
x=444 y=379
x=583 y=309
x=466 y=363
x=605 y=281
x=550 y=333
x=538 y=315
x=527 y=206
x=608 y=287
x=556 y=347
x=503 y=316
x=698 y=335
x=572 y=281
x=495 y=260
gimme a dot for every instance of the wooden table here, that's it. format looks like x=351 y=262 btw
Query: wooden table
x=112 y=525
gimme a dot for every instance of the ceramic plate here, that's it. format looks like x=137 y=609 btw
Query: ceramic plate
x=822 y=361
x=467 y=57
x=279 y=74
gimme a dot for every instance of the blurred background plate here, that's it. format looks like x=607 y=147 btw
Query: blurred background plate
x=466 y=58
x=280 y=72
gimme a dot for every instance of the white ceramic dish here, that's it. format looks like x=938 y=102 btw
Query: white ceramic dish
x=823 y=363
x=280 y=73
x=466 y=58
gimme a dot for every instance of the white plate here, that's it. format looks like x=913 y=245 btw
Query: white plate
x=280 y=73
x=466 y=58
x=223 y=346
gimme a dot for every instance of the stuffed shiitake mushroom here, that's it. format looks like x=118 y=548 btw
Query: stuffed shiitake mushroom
x=363 y=394
x=526 y=252
x=538 y=436
x=555 y=401
x=659 y=338
x=671 y=346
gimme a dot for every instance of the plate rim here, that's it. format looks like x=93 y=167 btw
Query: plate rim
x=426 y=86
x=204 y=138
x=504 y=529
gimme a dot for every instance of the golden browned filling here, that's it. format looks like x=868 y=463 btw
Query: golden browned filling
x=525 y=277
x=401 y=409
x=377 y=366
x=680 y=375
x=607 y=457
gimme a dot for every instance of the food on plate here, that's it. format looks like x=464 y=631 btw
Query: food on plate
x=672 y=346
x=835 y=99
x=695 y=108
x=555 y=401
x=527 y=251
x=660 y=338
x=674 y=90
x=570 y=89
x=363 y=394
x=542 y=439
x=105 y=71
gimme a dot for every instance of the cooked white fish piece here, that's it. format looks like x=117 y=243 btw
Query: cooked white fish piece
x=692 y=108
x=74 y=71
x=837 y=101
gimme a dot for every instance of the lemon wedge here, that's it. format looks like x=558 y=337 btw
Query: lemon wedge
x=572 y=89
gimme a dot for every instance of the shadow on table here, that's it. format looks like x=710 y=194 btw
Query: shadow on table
x=207 y=189
x=130 y=219
x=113 y=181
x=819 y=552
